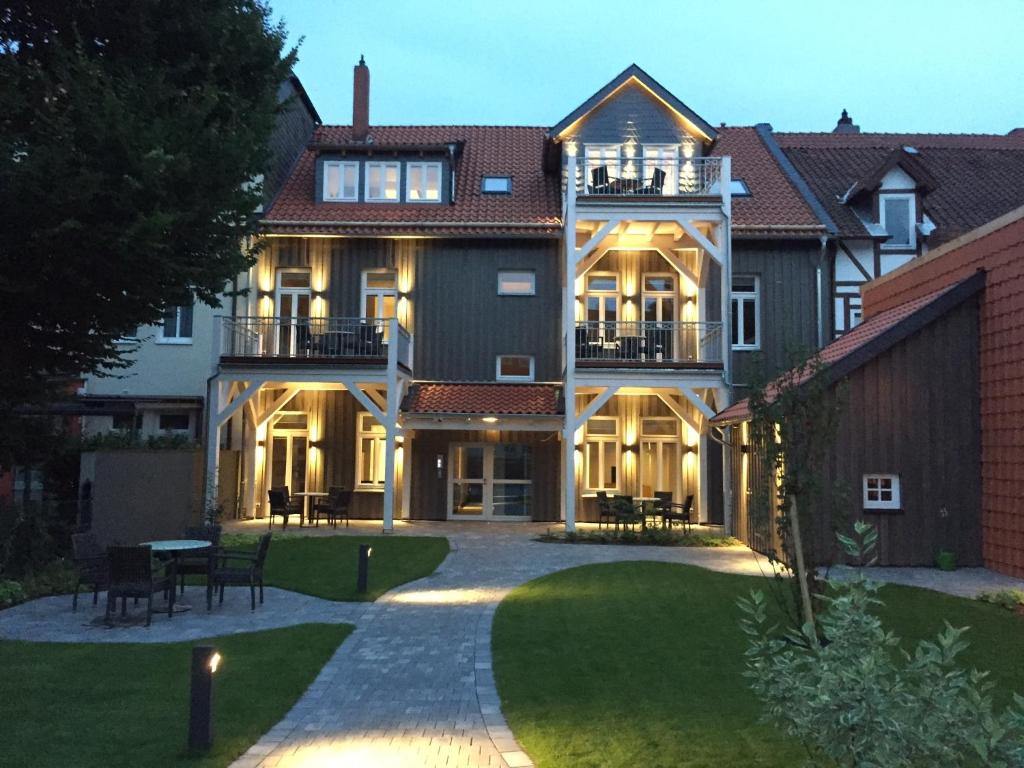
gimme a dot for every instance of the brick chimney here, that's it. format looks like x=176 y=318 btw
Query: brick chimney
x=361 y=101
x=845 y=124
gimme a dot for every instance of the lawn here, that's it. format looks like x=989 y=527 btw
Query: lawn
x=105 y=704
x=638 y=663
x=325 y=566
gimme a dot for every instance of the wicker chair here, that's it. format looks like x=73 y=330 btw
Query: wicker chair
x=238 y=568
x=673 y=512
x=334 y=506
x=132 y=574
x=199 y=563
x=625 y=512
x=282 y=506
x=91 y=564
x=605 y=513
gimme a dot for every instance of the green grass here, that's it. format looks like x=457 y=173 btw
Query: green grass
x=326 y=566
x=639 y=664
x=108 y=705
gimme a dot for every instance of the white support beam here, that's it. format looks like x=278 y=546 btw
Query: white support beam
x=277 y=405
x=680 y=266
x=677 y=409
x=380 y=399
x=597 y=237
x=702 y=241
x=592 y=407
x=231 y=409
x=698 y=402
x=364 y=400
x=391 y=432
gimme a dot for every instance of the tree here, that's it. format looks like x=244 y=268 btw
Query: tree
x=130 y=135
x=793 y=426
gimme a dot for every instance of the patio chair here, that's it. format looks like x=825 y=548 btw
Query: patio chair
x=334 y=506
x=91 y=565
x=673 y=512
x=134 y=574
x=239 y=568
x=368 y=341
x=656 y=183
x=599 y=180
x=625 y=511
x=605 y=513
x=198 y=564
x=282 y=506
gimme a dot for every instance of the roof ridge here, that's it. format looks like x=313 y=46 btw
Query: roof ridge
x=440 y=125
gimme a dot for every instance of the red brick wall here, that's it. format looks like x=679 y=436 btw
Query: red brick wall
x=1000 y=252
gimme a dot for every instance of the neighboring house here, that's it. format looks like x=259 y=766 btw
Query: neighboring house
x=164 y=390
x=887 y=198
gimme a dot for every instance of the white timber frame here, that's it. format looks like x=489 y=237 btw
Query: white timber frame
x=378 y=390
x=708 y=225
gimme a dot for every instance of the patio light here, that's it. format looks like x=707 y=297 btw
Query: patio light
x=363 y=572
x=205 y=662
x=489 y=419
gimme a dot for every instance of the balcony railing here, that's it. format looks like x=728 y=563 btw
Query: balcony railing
x=638 y=342
x=648 y=177
x=314 y=338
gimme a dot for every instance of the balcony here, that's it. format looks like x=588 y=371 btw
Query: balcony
x=314 y=340
x=648 y=344
x=648 y=178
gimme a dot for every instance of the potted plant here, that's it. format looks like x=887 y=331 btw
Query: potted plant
x=945 y=558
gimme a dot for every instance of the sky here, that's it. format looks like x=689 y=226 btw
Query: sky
x=896 y=65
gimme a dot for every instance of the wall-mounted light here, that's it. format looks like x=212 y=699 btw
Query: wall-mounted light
x=261 y=443
x=745 y=448
x=489 y=419
x=318 y=444
x=629 y=447
x=265 y=294
x=399 y=439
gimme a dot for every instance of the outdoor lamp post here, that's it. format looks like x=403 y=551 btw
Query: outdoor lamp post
x=365 y=550
x=205 y=660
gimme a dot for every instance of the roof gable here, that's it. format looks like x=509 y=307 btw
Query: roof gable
x=901 y=159
x=636 y=77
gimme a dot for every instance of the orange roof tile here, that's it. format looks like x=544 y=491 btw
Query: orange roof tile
x=486 y=398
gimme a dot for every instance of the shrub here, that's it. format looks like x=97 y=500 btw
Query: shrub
x=857 y=699
x=653 y=537
x=11 y=593
x=1010 y=599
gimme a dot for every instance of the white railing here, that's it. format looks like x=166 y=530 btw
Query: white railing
x=645 y=342
x=313 y=338
x=648 y=177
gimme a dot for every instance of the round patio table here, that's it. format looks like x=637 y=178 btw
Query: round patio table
x=304 y=495
x=173 y=548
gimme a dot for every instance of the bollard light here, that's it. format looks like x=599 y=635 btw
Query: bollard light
x=205 y=662
x=362 y=576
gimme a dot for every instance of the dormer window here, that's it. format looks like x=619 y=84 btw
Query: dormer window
x=897 y=216
x=382 y=182
x=496 y=185
x=423 y=182
x=341 y=180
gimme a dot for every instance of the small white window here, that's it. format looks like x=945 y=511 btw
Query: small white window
x=522 y=283
x=371 y=447
x=601 y=454
x=382 y=182
x=177 y=326
x=897 y=219
x=341 y=180
x=496 y=185
x=175 y=422
x=515 y=368
x=423 y=182
x=881 y=491
x=746 y=312
x=659 y=426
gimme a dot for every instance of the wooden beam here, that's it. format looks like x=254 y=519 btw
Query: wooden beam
x=230 y=409
x=677 y=409
x=702 y=241
x=358 y=393
x=698 y=402
x=679 y=264
x=597 y=237
x=592 y=407
x=374 y=394
x=277 y=405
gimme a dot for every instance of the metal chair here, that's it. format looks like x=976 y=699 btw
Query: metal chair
x=91 y=564
x=673 y=512
x=334 y=506
x=233 y=567
x=199 y=563
x=281 y=506
x=599 y=180
x=625 y=511
x=605 y=513
x=132 y=574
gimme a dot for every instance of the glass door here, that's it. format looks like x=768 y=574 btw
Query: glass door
x=490 y=481
x=288 y=452
x=659 y=314
x=293 y=298
x=380 y=297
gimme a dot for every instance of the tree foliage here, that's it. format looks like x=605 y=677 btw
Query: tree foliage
x=861 y=701
x=130 y=135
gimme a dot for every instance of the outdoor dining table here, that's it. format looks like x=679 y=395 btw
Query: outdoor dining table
x=305 y=495
x=173 y=548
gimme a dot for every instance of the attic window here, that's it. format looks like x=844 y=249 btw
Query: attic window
x=737 y=188
x=496 y=185
x=897 y=218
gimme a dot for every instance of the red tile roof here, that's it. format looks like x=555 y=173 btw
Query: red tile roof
x=842 y=348
x=978 y=177
x=471 y=398
x=534 y=207
x=774 y=207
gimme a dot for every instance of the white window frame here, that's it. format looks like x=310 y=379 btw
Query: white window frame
x=601 y=439
x=872 y=482
x=665 y=157
x=186 y=431
x=505 y=182
x=383 y=167
x=743 y=297
x=512 y=275
x=368 y=428
x=379 y=293
x=497 y=369
x=911 y=225
x=177 y=339
x=342 y=166
x=596 y=155
x=423 y=178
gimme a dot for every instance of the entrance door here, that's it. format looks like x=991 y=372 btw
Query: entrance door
x=659 y=307
x=602 y=307
x=490 y=481
x=293 y=297
x=288 y=451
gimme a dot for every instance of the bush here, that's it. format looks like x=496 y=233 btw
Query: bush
x=11 y=593
x=651 y=537
x=1010 y=599
x=856 y=699
x=33 y=535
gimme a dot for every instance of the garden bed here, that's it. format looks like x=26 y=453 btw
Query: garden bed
x=649 y=537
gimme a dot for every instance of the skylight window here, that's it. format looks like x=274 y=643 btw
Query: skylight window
x=496 y=185
x=737 y=188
